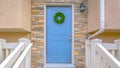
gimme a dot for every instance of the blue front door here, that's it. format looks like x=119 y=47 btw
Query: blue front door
x=58 y=36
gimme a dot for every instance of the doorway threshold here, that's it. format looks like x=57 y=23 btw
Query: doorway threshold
x=58 y=65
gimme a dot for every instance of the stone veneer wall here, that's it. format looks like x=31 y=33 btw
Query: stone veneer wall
x=37 y=35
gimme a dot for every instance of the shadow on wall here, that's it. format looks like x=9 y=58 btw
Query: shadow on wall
x=14 y=36
x=108 y=37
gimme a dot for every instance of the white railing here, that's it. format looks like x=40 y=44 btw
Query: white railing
x=15 y=55
x=102 y=55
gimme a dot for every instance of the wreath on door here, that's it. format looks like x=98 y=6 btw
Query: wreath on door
x=59 y=18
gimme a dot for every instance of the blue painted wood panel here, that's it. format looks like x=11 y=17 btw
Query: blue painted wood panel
x=58 y=42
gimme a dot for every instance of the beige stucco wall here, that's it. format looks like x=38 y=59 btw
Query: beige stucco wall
x=112 y=17
x=93 y=15
x=112 y=14
x=15 y=15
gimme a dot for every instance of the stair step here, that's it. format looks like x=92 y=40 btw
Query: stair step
x=59 y=66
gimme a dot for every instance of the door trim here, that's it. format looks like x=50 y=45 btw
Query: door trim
x=59 y=4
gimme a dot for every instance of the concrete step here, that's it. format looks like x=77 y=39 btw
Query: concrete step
x=59 y=66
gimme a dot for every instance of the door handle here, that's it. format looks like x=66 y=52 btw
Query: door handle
x=69 y=38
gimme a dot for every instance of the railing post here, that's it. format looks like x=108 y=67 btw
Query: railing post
x=87 y=54
x=93 y=52
x=27 y=60
x=24 y=40
x=117 y=42
x=2 y=42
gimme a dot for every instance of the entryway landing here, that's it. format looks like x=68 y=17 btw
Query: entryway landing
x=59 y=66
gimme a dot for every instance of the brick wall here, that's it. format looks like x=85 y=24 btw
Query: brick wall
x=37 y=35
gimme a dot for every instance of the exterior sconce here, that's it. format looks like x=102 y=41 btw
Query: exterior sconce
x=82 y=7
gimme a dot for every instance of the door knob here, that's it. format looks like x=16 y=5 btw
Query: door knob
x=69 y=38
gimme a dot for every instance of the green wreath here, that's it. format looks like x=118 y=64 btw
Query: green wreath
x=62 y=18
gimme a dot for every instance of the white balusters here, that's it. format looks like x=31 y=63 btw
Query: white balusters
x=117 y=42
x=7 y=52
x=113 y=52
x=18 y=55
x=100 y=57
x=2 y=43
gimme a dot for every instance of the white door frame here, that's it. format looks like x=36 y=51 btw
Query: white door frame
x=58 y=4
